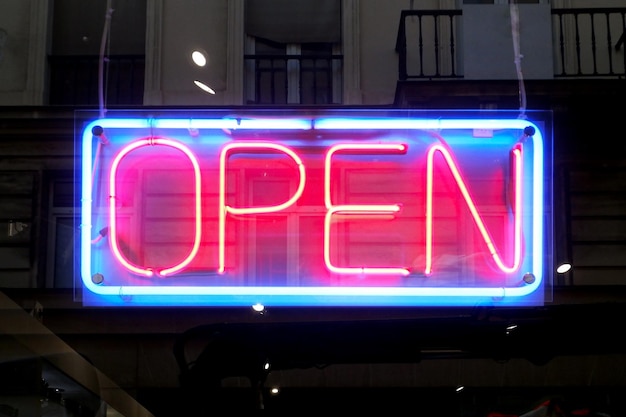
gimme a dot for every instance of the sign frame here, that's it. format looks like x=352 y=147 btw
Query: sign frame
x=180 y=129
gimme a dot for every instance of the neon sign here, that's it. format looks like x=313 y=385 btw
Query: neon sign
x=335 y=208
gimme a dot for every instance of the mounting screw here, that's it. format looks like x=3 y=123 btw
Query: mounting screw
x=97 y=278
x=529 y=278
x=529 y=131
x=97 y=131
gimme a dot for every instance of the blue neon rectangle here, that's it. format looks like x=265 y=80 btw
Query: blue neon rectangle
x=276 y=258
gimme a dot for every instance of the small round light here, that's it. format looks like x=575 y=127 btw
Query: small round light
x=204 y=87
x=563 y=268
x=198 y=58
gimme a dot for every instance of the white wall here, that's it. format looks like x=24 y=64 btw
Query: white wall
x=379 y=61
x=189 y=24
x=23 y=25
x=488 y=38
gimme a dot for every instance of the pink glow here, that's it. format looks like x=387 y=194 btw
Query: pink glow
x=356 y=211
x=114 y=238
x=224 y=209
x=387 y=196
x=369 y=148
x=361 y=212
x=517 y=158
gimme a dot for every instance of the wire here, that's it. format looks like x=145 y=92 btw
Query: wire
x=95 y=163
x=101 y=235
x=514 y=11
x=103 y=44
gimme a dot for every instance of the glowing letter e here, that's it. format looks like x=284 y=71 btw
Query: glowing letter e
x=356 y=209
x=224 y=209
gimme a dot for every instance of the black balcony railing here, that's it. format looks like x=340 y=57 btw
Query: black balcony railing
x=587 y=43
x=421 y=38
x=74 y=80
x=293 y=79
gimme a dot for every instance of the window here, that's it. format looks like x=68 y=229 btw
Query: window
x=62 y=233
x=293 y=52
x=17 y=252
x=308 y=73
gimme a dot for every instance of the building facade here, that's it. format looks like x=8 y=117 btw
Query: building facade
x=61 y=61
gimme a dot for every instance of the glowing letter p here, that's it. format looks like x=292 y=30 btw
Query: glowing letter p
x=224 y=208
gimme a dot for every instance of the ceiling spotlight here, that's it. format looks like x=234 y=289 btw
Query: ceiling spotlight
x=274 y=390
x=459 y=388
x=204 y=87
x=198 y=58
x=563 y=268
x=510 y=328
x=258 y=307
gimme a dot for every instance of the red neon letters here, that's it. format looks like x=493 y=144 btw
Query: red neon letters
x=333 y=211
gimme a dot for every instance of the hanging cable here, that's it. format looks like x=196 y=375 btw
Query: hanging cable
x=97 y=131
x=103 y=45
x=514 y=11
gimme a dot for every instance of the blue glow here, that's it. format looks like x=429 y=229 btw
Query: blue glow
x=123 y=130
x=538 y=180
x=357 y=123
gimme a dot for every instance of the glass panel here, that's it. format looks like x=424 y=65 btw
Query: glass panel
x=64 y=242
x=40 y=375
x=411 y=209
